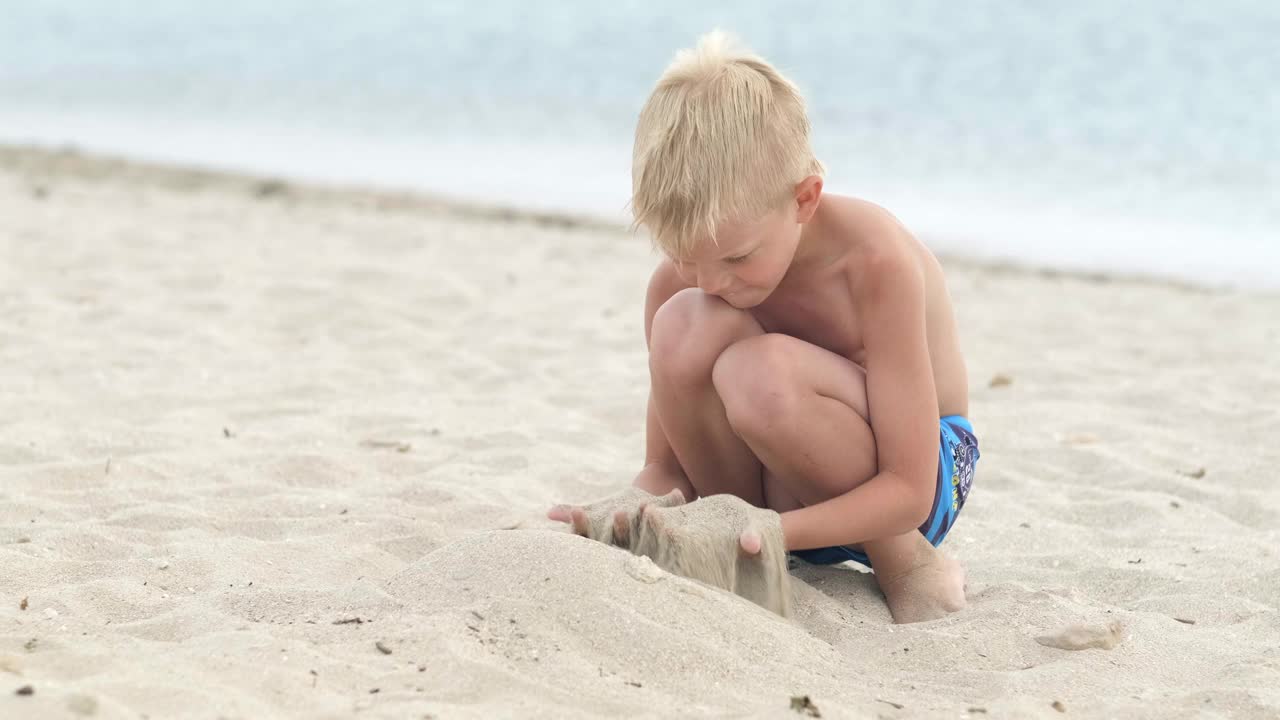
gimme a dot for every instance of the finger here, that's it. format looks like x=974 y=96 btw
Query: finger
x=621 y=529
x=581 y=525
x=750 y=542
x=651 y=516
x=671 y=499
x=559 y=513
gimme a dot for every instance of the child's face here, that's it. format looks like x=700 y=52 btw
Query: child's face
x=746 y=262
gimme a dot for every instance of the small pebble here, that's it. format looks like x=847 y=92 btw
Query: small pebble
x=803 y=705
x=82 y=704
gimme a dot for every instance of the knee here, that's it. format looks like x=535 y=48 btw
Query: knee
x=689 y=332
x=756 y=380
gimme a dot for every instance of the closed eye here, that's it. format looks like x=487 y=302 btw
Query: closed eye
x=738 y=259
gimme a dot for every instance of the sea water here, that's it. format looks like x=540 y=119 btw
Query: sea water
x=1133 y=137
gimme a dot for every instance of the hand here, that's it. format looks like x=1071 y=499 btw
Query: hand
x=722 y=541
x=613 y=520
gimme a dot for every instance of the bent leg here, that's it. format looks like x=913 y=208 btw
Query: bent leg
x=689 y=333
x=803 y=411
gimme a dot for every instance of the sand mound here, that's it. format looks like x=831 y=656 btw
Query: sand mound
x=550 y=608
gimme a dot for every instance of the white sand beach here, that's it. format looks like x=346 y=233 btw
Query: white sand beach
x=278 y=451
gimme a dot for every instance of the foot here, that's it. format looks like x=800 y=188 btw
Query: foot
x=931 y=587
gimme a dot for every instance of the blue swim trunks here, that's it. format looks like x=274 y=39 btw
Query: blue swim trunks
x=957 y=456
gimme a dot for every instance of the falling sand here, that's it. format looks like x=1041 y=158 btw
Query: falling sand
x=699 y=540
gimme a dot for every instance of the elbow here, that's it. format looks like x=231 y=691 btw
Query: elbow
x=918 y=518
x=919 y=503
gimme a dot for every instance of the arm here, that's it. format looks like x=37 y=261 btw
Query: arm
x=903 y=407
x=662 y=471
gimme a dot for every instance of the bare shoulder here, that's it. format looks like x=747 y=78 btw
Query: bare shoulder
x=900 y=295
x=664 y=283
x=884 y=256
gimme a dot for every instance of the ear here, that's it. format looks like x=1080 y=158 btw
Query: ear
x=808 y=195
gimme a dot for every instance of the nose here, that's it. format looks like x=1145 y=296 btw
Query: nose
x=712 y=282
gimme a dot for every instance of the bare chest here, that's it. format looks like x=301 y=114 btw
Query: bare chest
x=822 y=316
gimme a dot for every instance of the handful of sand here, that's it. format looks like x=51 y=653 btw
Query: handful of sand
x=698 y=540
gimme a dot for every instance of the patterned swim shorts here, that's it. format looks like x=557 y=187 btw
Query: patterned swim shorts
x=957 y=457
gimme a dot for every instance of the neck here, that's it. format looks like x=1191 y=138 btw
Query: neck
x=810 y=247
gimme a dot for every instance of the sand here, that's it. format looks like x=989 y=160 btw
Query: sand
x=700 y=540
x=279 y=451
x=705 y=540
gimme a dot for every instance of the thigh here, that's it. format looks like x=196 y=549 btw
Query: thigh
x=803 y=410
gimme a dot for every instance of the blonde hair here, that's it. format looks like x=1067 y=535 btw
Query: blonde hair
x=723 y=136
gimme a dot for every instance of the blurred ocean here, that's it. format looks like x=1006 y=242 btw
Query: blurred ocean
x=1139 y=136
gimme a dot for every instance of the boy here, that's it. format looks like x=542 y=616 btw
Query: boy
x=803 y=352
